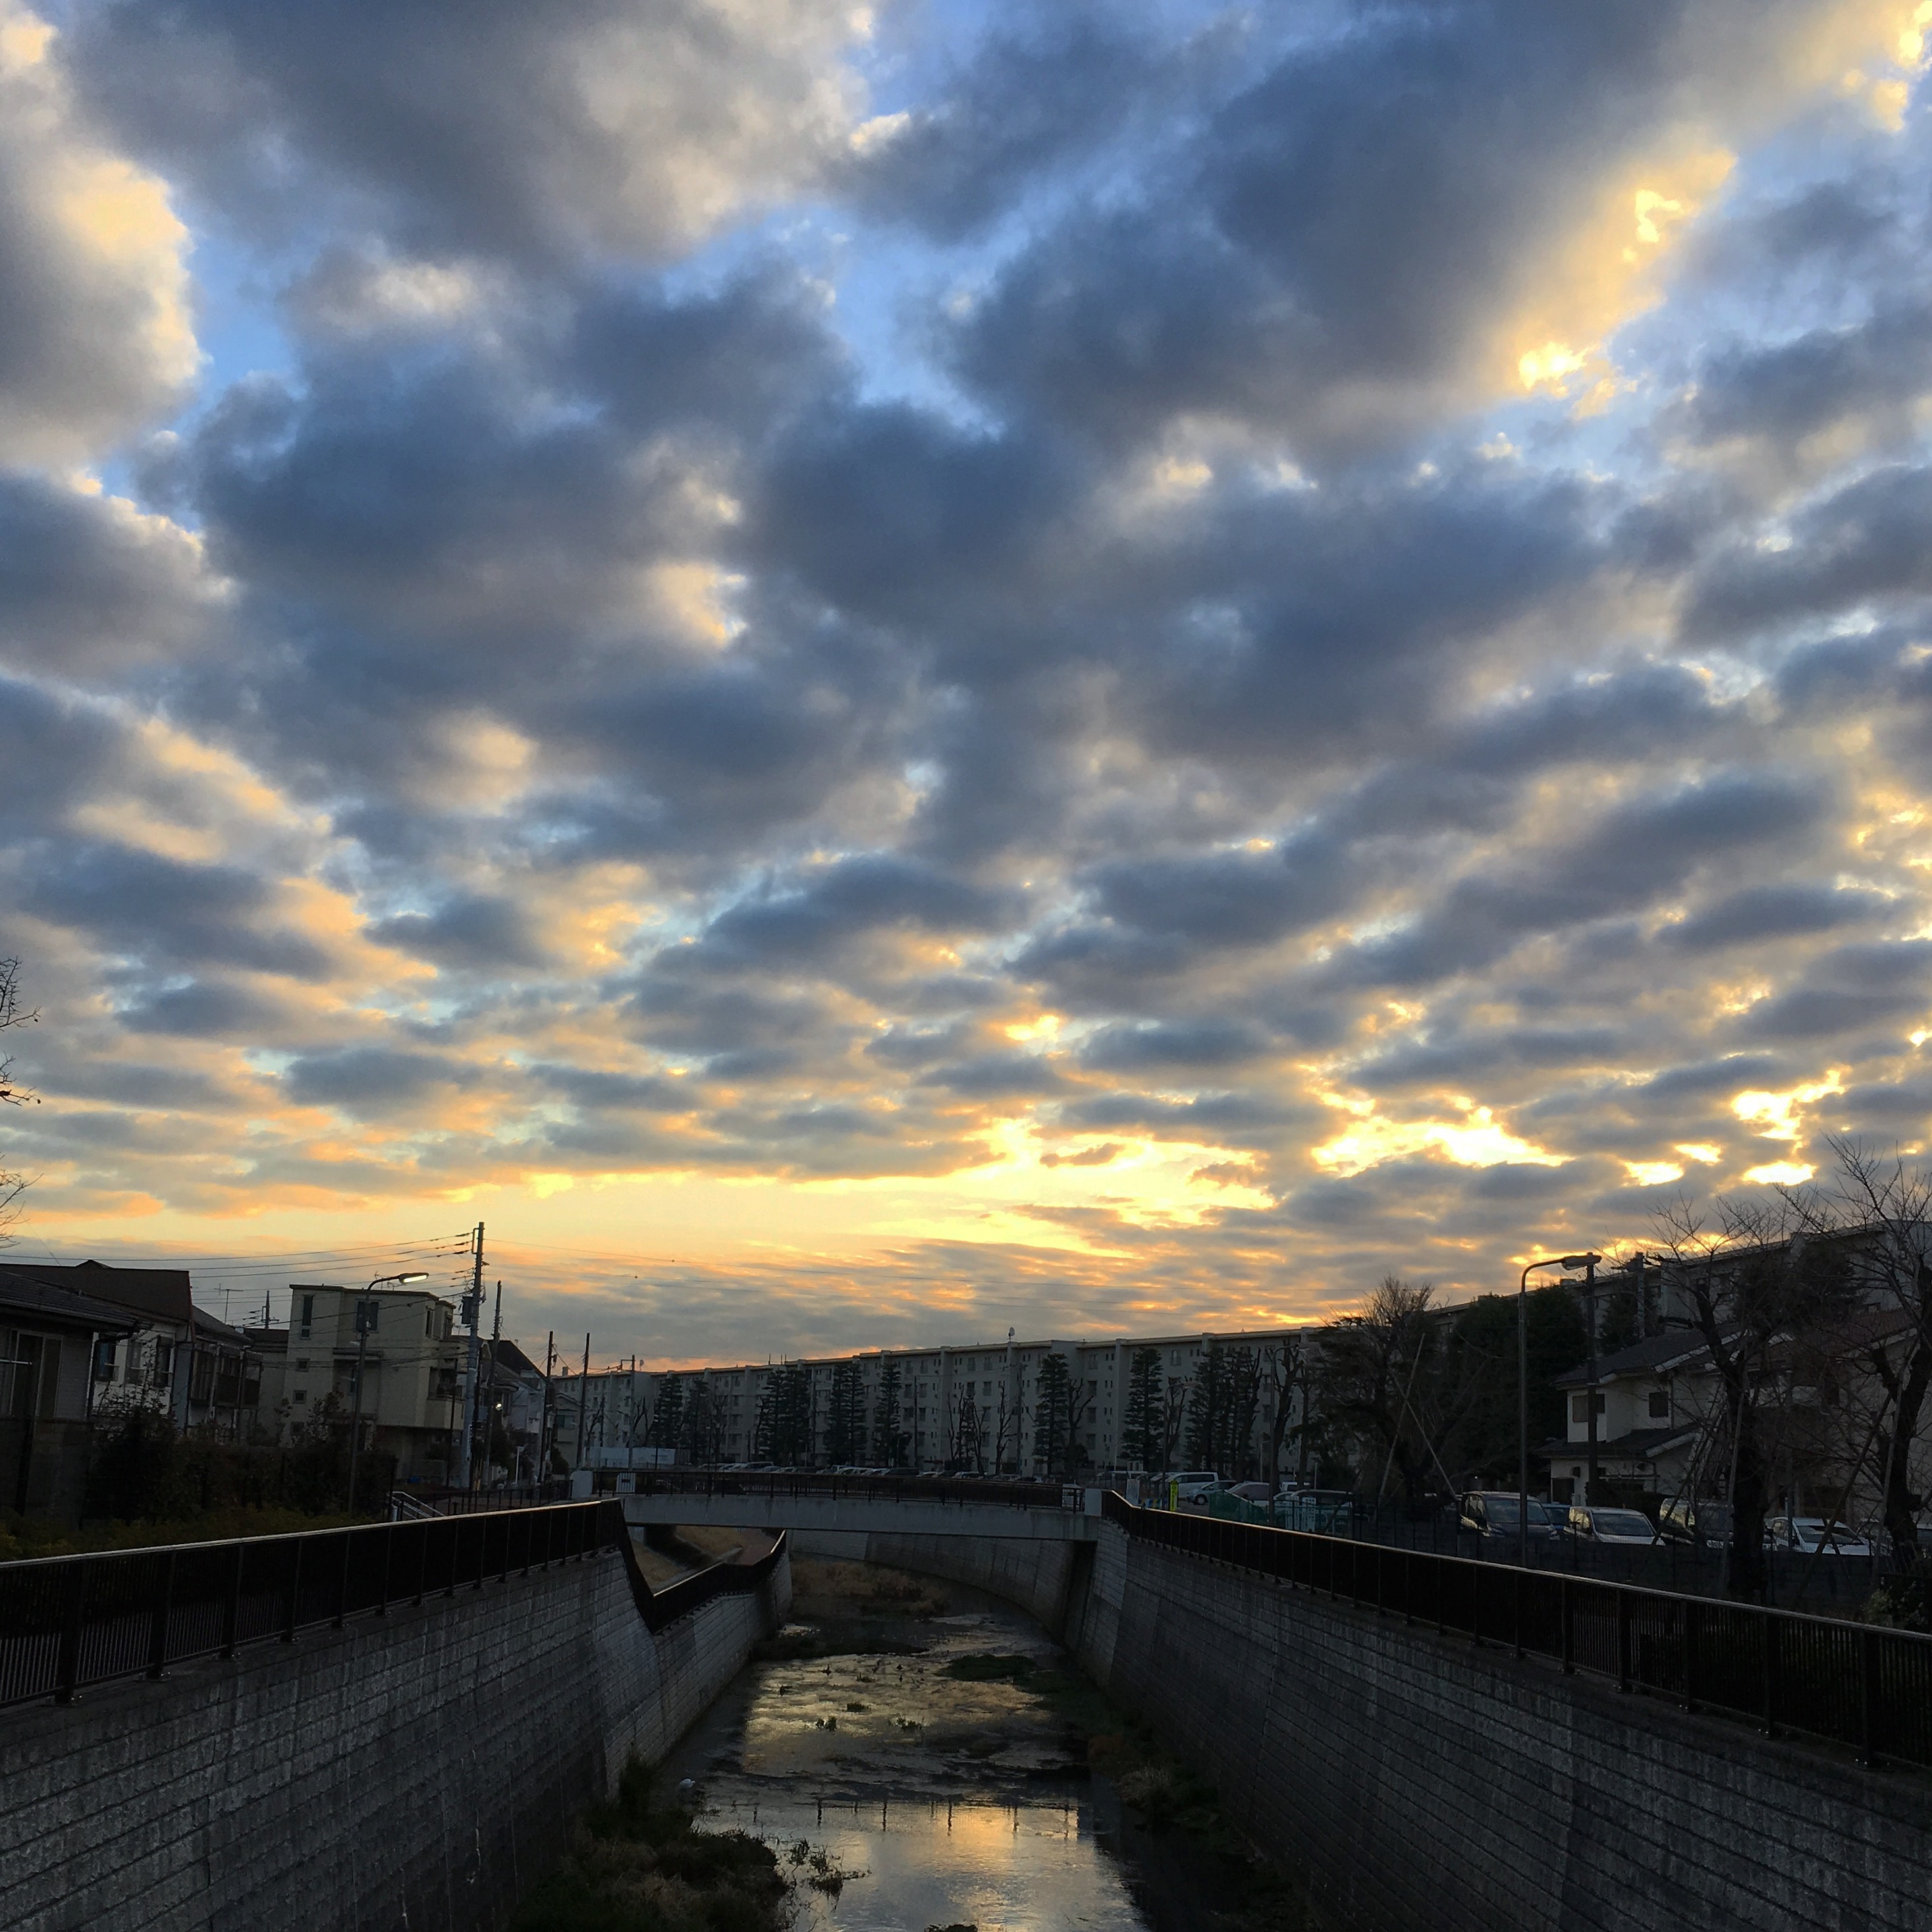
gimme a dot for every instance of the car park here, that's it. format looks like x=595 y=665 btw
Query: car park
x=1595 y=1522
x=1803 y=1535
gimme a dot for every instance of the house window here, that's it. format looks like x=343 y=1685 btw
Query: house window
x=301 y=1395
x=104 y=1353
x=307 y=1315
x=1578 y=1413
x=1659 y=1404
x=164 y=1361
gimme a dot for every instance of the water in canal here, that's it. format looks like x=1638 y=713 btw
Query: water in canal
x=924 y=1762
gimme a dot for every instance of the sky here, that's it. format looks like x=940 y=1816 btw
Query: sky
x=867 y=674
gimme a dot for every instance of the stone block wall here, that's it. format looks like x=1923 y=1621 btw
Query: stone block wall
x=410 y=1774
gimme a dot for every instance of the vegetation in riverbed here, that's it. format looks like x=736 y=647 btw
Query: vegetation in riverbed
x=843 y=1609
x=636 y=1867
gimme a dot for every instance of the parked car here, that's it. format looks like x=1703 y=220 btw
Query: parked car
x=1252 y=1492
x=1327 y=1512
x=1555 y=1516
x=1803 y=1535
x=1695 y=1520
x=1593 y=1522
x=1493 y=1512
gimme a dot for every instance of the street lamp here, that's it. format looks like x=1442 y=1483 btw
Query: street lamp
x=1566 y=1262
x=366 y=1312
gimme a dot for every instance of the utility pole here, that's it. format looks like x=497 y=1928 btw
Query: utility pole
x=543 y=1425
x=1590 y=1320
x=583 y=1402
x=473 y=1315
x=490 y=1388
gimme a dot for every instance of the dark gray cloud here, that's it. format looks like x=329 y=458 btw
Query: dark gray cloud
x=528 y=129
x=1632 y=856
x=477 y=929
x=1862 y=545
x=1773 y=912
x=372 y=1080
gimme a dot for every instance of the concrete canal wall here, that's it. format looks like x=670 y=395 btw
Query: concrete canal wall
x=415 y=1771
x=1419 y=1784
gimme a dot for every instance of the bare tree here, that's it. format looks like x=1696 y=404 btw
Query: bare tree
x=1755 y=1295
x=12 y=1184
x=1284 y=1367
x=1385 y=1376
x=1877 y=1213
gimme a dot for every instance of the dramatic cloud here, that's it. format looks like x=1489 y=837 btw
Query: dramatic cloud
x=864 y=677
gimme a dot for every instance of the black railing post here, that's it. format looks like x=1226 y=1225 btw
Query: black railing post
x=292 y=1597
x=1693 y=1621
x=455 y=1553
x=231 y=1610
x=420 y=1532
x=158 y=1615
x=67 y=1668
x=1567 y=1615
x=1624 y=1645
x=1770 y=1632
x=1517 y=1606
x=383 y=1589
x=342 y=1581
x=1868 y=1699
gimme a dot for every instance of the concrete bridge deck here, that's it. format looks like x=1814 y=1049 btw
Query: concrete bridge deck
x=850 y=1515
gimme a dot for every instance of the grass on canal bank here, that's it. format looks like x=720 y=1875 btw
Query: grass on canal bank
x=634 y=1866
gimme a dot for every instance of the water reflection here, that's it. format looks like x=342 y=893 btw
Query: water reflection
x=962 y=1803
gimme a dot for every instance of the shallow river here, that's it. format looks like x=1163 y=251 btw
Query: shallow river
x=962 y=1803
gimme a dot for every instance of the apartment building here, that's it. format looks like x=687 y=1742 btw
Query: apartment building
x=411 y=1400
x=972 y=1406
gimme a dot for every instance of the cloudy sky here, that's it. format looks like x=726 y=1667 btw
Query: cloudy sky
x=864 y=674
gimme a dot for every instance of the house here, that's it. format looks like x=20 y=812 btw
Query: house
x=1651 y=1400
x=176 y=1357
x=411 y=1401
x=48 y=1338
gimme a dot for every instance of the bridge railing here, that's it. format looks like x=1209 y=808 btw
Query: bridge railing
x=1851 y=1684
x=69 y=1622
x=791 y=1485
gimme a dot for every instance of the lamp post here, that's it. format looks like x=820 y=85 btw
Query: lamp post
x=1565 y=1262
x=366 y=1312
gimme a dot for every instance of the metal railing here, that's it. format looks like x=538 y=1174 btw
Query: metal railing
x=1851 y=1684
x=427 y=1501
x=68 y=1621
x=792 y=1485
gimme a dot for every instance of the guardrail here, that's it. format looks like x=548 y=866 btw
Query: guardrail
x=68 y=1621
x=1850 y=1684
x=792 y=1485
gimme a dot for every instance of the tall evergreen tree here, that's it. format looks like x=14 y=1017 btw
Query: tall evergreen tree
x=1208 y=1402
x=889 y=1442
x=1142 y=1426
x=845 y=1416
x=666 y=1429
x=1053 y=1413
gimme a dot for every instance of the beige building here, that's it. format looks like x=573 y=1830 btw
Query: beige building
x=412 y=1396
x=976 y=1406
